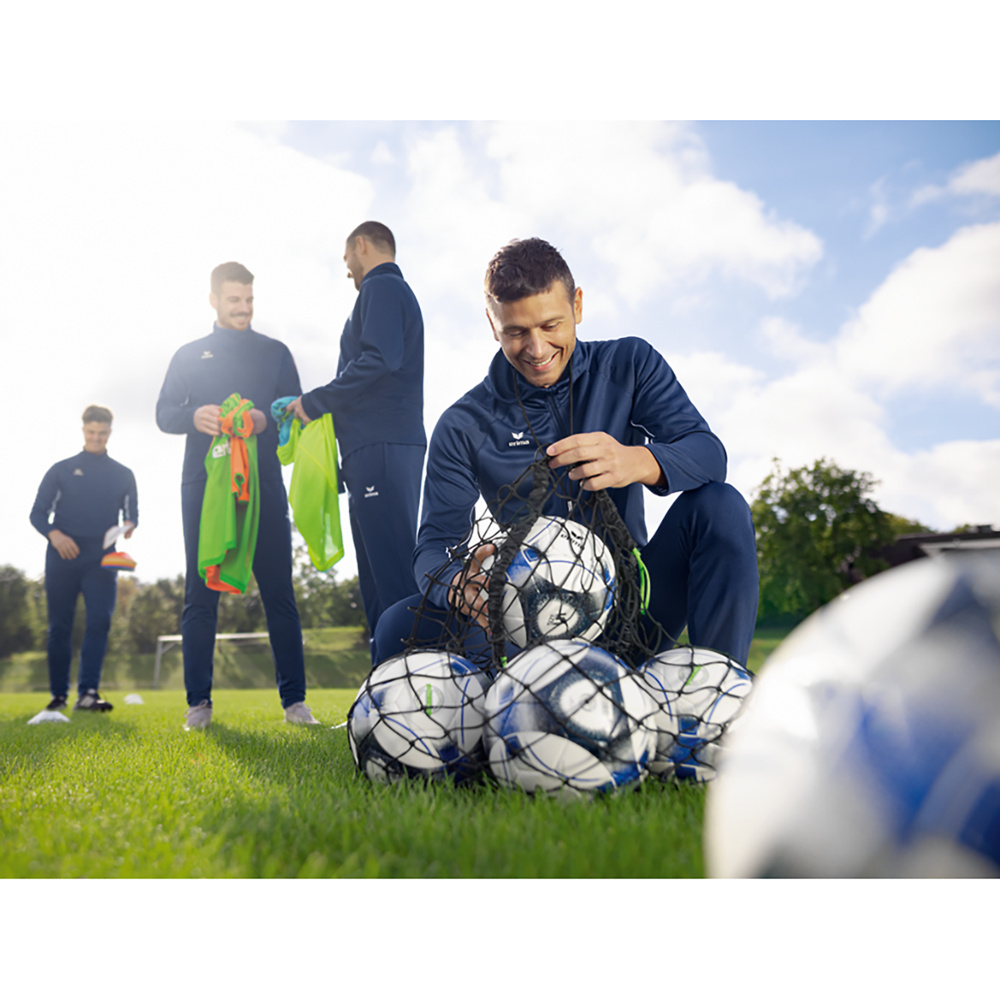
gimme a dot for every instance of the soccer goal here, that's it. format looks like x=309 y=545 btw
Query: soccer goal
x=165 y=642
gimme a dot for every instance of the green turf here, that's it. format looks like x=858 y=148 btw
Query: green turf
x=130 y=794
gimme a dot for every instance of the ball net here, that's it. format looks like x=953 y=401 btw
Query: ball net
x=565 y=684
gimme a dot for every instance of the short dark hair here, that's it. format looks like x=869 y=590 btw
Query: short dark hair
x=377 y=233
x=97 y=415
x=230 y=271
x=526 y=267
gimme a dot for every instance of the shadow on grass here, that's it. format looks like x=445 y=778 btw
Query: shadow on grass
x=280 y=758
x=36 y=746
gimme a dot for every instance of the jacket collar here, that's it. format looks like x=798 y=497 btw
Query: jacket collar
x=387 y=267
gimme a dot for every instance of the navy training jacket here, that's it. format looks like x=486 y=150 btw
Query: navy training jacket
x=84 y=496
x=209 y=370
x=483 y=442
x=377 y=396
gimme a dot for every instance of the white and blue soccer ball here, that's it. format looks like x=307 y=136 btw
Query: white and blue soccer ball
x=559 y=585
x=419 y=715
x=567 y=719
x=871 y=746
x=700 y=695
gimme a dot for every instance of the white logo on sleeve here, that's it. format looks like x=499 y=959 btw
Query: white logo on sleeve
x=518 y=441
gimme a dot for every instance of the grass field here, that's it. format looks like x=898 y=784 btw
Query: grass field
x=130 y=794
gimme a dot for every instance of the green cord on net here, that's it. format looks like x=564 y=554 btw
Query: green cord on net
x=643 y=581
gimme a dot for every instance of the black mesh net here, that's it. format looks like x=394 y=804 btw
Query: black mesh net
x=552 y=676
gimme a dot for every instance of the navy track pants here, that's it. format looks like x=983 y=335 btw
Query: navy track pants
x=383 y=482
x=65 y=579
x=272 y=569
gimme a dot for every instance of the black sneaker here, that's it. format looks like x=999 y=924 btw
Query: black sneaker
x=91 y=702
x=57 y=704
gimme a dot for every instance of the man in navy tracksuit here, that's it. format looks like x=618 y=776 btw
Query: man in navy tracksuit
x=202 y=374
x=84 y=495
x=611 y=415
x=377 y=402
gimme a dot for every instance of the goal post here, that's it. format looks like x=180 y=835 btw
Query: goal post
x=165 y=642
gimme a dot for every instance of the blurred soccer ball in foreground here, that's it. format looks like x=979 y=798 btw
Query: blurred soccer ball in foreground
x=872 y=744
x=566 y=718
x=560 y=584
x=700 y=694
x=418 y=715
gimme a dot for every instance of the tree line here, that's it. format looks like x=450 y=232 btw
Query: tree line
x=818 y=533
x=145 y=611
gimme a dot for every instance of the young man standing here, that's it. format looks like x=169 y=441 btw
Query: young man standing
x=377 y=402
x=202 y=374
x=609 y=414
x=84 y=495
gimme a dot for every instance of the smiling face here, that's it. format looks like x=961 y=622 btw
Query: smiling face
x=537 y=334
x=95 y=437
x=233 y=305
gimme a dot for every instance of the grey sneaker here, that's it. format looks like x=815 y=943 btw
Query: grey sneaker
x=91 y=701
x=299 y=714
x=198 y=716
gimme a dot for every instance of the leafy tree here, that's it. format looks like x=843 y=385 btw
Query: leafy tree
x=19 y=622
x=242 y=612
x=324 y=600
x=155 y=610
x=904 y=526
x=817 y=534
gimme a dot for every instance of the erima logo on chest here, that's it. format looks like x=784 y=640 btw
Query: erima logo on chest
x=78 y=472
x=205 y=355
x=518 y=439
x=370 y=491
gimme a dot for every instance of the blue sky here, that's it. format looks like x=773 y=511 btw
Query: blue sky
x=823 y=289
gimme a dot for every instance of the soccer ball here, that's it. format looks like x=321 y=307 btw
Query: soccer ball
x=566 y=719
x=559 y=585
x=700 y=694
x=871 y=746
x=418 y=715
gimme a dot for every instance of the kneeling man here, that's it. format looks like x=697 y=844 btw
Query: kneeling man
x=612 y=415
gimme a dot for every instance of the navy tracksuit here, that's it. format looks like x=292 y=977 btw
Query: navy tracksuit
x=377 y=402
x=702 y=559
x=209 y=370
x=84 y=495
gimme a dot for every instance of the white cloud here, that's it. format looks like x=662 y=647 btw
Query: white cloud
x=935 y=321
x=382 y=155
x=645 y=189
x=932 y=321
x=953 y=483
x=455 y=220
x=786 y=342
x=980 y=177
x=879 y=211
x=820 y=413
